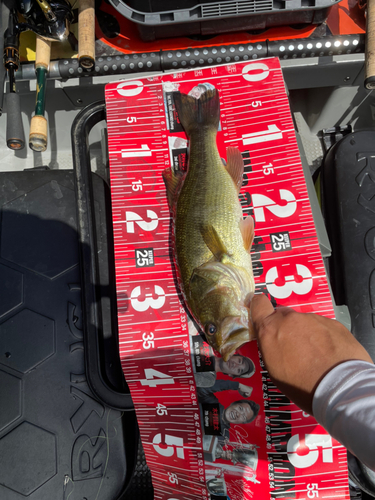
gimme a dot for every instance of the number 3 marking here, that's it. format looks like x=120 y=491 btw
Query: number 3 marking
x=290 y=286
x=149 y=301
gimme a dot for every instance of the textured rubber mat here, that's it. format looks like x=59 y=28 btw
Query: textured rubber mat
x=56 y=439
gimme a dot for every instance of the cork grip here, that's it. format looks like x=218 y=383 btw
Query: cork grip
x=38 y=133
x=42 y=53
x=86 y=33
x=370 y=46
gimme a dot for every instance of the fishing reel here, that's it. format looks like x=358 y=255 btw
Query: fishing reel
x=47 y=18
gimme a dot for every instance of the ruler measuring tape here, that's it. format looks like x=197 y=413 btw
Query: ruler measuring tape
x=287 y=454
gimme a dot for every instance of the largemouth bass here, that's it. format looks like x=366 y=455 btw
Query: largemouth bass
x=212 y=240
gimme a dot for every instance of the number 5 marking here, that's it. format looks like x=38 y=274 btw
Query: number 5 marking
x=290 y=286
x=149 y=301
x=132 y=217
x=312 y=442
x=260 y=202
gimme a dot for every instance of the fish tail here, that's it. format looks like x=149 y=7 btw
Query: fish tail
x=195 y=113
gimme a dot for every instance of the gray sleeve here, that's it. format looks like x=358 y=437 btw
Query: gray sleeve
x=344 y=404
x=205 y=379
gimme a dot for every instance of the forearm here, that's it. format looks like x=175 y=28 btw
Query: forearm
x=344 y=404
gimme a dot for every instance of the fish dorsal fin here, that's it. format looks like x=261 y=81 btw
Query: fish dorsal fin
x=172 y=182
x=213 y=242
x=235 y=166
x=247 y=231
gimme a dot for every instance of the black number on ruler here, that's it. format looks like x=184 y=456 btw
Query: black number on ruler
x=144 y=257
x=245 y=200
x=247 y=167
x=257 y=265
x=280 y=241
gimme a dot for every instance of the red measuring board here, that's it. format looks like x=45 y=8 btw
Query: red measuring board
x=189 y=405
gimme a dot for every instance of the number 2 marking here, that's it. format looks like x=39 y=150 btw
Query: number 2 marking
x=260 y=202
x=132 y=217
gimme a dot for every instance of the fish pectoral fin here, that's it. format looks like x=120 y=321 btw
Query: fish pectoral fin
x=235 y=166
x=172 y=182
x=213 y=242
x=247 y=231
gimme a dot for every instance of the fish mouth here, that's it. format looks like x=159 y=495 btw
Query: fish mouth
x=234 y=333
x=237 y=339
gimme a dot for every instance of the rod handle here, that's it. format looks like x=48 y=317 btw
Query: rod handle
x=15 y=135
x=38 y=133
x=370 y=46
x=42 y=53
x=86 y=33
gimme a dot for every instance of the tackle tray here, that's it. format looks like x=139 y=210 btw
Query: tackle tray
x=193 y=17
x=57 y=436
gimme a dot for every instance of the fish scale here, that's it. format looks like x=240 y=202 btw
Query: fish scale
x=207 y=192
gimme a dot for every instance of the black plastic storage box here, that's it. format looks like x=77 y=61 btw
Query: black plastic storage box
x=165 y=19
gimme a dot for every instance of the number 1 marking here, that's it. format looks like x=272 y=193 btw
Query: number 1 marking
x=271 y=134
x=143 y=151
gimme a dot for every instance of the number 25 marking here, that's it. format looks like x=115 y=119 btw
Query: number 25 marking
x=260 y=202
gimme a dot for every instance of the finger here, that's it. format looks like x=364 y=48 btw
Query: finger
x=260 y=309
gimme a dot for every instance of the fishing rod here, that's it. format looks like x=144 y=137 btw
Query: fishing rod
x=38 y=125
x=86 y=33
x=15 y=136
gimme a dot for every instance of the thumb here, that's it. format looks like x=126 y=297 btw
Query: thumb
x=260 y=309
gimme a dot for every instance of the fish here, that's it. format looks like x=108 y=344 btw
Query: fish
x=211 y=239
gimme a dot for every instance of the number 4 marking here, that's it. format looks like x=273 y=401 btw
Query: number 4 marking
x=161 y=378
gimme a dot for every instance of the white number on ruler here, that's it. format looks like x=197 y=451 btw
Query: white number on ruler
x=161 y=409
x=131 y=119
x=148 y=340
x=141 y=152
x=132 y=217
x=261 y=72
x=130 y=89
x=290 y=286
x=260 y=202
x=161 y=378
x=175 y=445
x=143 y=305
x=268 y=169
x=271 y=134
x=313 y=490
x=312 y=442
x=255 y=104
x=173 y=478
x=137 y=186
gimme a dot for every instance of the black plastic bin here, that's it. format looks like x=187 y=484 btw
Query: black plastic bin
x=165 y=19
x=58 y=437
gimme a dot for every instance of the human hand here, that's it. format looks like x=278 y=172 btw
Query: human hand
x=245 y=390
x=298 y=349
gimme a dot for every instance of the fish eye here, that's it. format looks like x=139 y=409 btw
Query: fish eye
x=210 y=329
